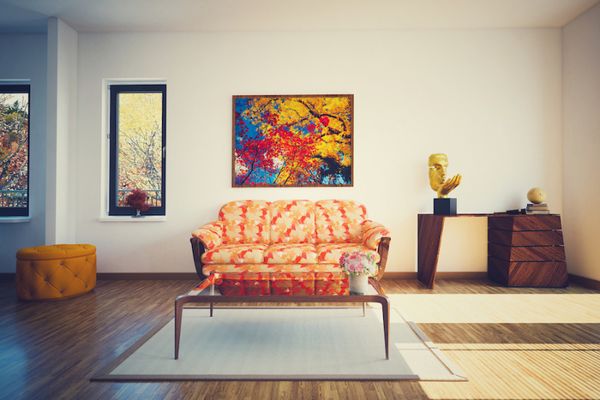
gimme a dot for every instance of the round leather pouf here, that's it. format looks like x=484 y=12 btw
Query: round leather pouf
x=55 y=272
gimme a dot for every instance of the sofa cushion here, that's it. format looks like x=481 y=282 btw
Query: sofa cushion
x=331 y=253
x=339 y=221
x=235 y=254
x=283 y=284
x=292 y=221
x=291 y=253
x=270 y=268
x=331 y=283
x=245 y=222
x=290 y=284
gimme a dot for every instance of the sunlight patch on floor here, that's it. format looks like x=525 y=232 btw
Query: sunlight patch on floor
x=521 y=375
x=498 y=308
x=519 y=346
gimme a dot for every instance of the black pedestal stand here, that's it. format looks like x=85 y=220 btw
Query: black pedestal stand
x=444 y=206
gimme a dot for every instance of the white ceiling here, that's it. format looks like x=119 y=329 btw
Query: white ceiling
x=287 y=15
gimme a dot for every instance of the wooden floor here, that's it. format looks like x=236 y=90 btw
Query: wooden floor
x=50 y=350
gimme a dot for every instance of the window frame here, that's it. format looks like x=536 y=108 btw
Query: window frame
x=21 y=88
x=114 y=91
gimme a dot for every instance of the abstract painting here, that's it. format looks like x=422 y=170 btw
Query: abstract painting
x=293 y=140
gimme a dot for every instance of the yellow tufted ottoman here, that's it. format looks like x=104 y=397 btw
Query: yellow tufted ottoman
x=55 y=272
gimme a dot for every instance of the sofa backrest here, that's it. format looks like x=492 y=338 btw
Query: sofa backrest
x=245 y=221
x=292 y=221
x=339 y=221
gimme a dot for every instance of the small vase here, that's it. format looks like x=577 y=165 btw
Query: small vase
x=359 y=284
x=138 y=214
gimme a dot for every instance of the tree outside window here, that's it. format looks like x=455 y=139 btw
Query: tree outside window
x=14 y=150
x=137 y=146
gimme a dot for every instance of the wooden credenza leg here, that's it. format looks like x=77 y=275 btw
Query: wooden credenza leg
x=430 y=229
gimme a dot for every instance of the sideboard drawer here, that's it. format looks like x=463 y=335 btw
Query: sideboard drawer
x=532 y=274
x=526 y=253
x=525 y=222
x=525 y=238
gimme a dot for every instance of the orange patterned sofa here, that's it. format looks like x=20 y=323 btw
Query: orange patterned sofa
x=286 y=247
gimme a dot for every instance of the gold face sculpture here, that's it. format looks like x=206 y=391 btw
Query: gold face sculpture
x=438 y=163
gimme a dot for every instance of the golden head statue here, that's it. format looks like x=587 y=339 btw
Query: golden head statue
x=438 y=163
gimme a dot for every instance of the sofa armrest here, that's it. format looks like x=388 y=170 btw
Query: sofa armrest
x=375 y=236
x=383 y=249
x=197 y=251
x=372 y=232
x=205 y=238
x=211 y=234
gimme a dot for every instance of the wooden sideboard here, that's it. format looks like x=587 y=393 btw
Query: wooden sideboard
x=526 y=250
x=523 y=250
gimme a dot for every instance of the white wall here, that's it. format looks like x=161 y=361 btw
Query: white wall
x=491 y=99
x=62 y=134
x=24 y=57
x=463 y=247
x=581 y=107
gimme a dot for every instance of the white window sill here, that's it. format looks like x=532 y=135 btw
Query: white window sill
x=125 y=218
x=14 y=220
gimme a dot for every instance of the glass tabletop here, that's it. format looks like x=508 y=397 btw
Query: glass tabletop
x=207 y=287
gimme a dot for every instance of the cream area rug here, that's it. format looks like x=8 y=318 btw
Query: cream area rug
x=285 y=344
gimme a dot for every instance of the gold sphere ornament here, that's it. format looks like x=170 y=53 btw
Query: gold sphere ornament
x=536 y=195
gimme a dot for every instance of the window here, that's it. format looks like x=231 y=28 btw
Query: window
x=137 y=146
x=14 y=150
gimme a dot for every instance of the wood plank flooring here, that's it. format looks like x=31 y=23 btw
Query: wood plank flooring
x=50 y=350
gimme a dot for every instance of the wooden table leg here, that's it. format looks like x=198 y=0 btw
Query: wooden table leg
x=364 y=310
x=211 y=309
x=385 y=308
x=178 y=315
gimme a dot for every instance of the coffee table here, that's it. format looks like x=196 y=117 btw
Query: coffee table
x=205 y=294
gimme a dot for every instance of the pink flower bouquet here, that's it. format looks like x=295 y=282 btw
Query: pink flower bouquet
x=357 y=263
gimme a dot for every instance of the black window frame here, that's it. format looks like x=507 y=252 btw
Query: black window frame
x=21 y=211
x=114 y=91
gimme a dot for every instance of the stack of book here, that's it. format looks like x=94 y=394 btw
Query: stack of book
x=541 y=208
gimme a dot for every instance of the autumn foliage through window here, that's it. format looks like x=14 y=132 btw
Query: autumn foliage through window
x=14 y=150
x=137 y=146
